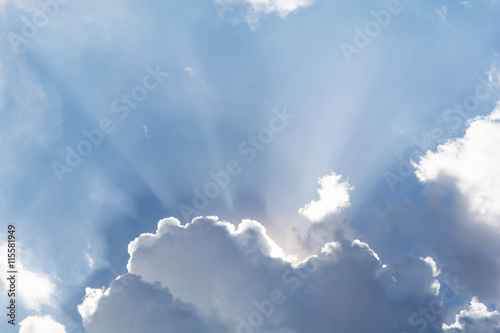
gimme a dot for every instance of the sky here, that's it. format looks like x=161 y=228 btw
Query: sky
x=285 y=166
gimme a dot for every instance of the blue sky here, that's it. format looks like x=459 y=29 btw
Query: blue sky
x=376 y=165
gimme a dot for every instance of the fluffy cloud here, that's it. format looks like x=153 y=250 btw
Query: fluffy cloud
x=476 y=319
x=90 y=303
x=237 y=279
x=36 y=324
x=333 y=197
x=232 y=263
x=463 y=186
x=130 y=305
x=472 y=161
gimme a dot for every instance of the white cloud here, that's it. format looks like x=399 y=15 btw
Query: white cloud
x=333 y=197
x=37 y=324
x=189 y=70
x=205 y=246
x=282 y=7
x=430 y=261
x=130 y=305
x=472 y=161
x=35 y=289
x=257 y=8
x=463 y=194
x=435 y=273
x=475 y=319
x=224 y=274
x=90 y=302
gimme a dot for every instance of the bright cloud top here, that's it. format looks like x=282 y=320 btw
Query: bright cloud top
x=37 y=324
x=89 y=305
x=473 y=161
x=333 y=197
x=226 y=278
x=435 y=272
x=466 y=170
x=282 y=7
x=35 y=289
x=257 y=8
x=475 y=319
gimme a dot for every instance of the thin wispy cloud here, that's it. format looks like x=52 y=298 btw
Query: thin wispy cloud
x=443 y=13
